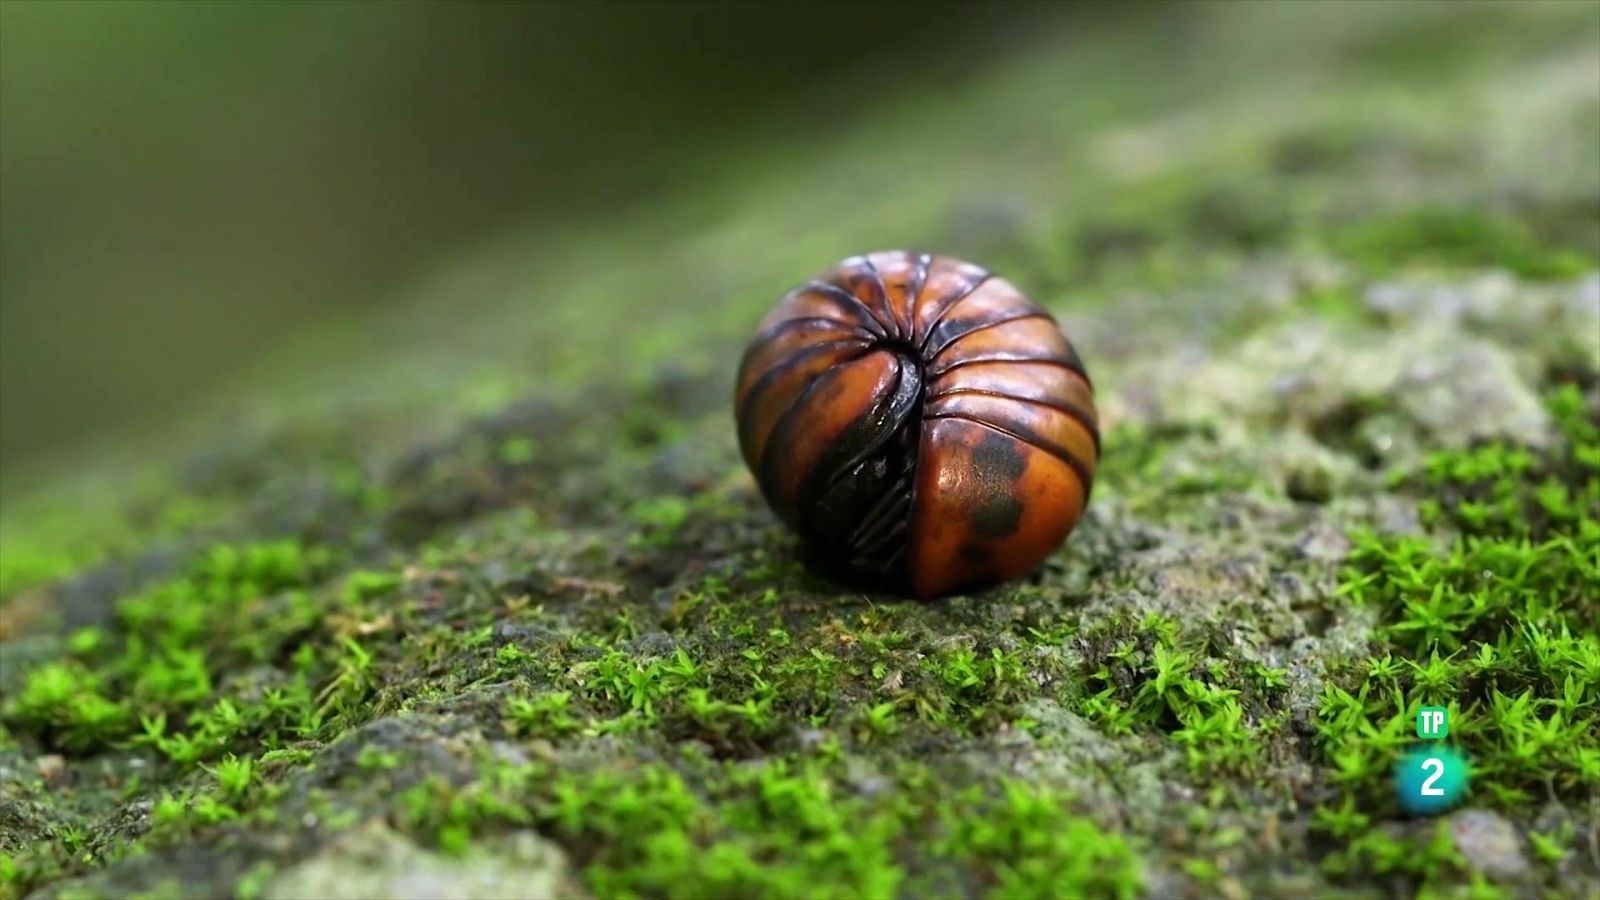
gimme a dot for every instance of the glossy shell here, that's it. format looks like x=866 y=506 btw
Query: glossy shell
x=922 y=425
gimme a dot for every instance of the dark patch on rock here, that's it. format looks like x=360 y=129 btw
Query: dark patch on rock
x=655 y=643
x=658 y=571
x=1237 y=214
x=1308 y=482
x=689 y=466
x=89 y=600
x=531 y=415
x=1312 y=150
x=306 y=507
x=1340 y=429
x=416 y=521
x=1101 y=242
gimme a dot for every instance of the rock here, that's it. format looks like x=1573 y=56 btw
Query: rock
x=1489 y=843
x=375 y=863
x=652 y=644
x=1380 y=398
x=1461 y=390
x=1323 y=543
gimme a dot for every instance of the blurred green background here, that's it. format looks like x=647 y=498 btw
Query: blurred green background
x=186 y=183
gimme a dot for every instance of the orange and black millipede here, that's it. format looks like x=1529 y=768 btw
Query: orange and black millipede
x=921 y=424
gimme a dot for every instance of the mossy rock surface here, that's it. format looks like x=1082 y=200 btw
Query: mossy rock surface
x=475 y=597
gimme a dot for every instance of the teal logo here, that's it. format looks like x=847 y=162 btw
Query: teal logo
x=1433 y=723
x=1431 y=779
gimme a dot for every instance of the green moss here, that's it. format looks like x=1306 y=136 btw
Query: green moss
x=1459 y=238
x=783 y=828
x=54 y=534
x=1494 y=622
x=1154 y=675
x=516 y=451
x=769 y=831
x=66 y=699
x=1169 y=467
x=1030 y=845
x=234 y=775
x=31 y=563
x=174 y=644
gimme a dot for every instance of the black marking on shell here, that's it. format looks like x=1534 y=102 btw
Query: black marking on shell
x=975 y=553
x=1085 y=477
x=997 y=511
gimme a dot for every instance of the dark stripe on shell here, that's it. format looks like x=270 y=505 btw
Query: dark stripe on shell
x=773 y=374
x=934 y=325
x=869 y=320
x=1078 y=413
x=819 y=322
x=1069 y=362
x=883 y=295
x=958 y=332
x=919 y=279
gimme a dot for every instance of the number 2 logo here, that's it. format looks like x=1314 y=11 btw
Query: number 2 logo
x=1436 y=765
x=1430 y=780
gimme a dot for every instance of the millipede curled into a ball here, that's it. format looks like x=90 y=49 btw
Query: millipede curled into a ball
x=921 y=424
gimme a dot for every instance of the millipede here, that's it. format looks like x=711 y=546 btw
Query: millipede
x=921 y=424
